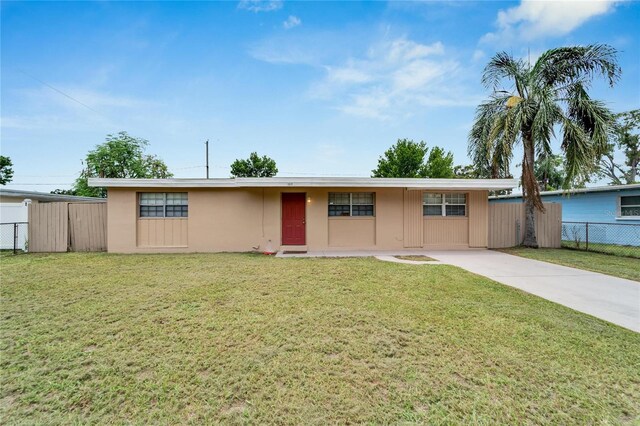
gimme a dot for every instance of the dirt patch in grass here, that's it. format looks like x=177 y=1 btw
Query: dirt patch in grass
x=231 y=338
x=416 y=258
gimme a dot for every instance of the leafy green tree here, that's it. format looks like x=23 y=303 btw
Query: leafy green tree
x=406 y=159
x=254 y=166
x=466 y=172
x=64 y=192
x=528 y=102
x=549 y=171
x=440 y=164
x=476 y=172
x=626 y=138
x=120 y=156
x=6 y=170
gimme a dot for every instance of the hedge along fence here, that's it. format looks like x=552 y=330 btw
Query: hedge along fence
x=61 y=227
x=506 y=225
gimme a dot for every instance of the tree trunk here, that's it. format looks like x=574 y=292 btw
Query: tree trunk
x=530 y=239
x=531 y=192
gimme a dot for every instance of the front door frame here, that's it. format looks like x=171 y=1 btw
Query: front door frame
x=304 y=218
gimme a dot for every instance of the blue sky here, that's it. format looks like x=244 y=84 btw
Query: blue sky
x=322 y=87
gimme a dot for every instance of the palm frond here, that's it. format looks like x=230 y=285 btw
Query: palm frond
x=504 y=66
x=495 y=131
x=597 y=121
x=579 y=152
x=546 y=115
x=564 y=65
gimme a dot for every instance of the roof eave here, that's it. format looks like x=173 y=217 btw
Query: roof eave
x=412 y=184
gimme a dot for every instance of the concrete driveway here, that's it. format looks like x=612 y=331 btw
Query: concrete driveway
x=616 y=300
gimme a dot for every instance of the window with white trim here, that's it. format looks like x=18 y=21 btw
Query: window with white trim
x=444 y=204
x=351 y=203
x=164 y=204
x=630 y=206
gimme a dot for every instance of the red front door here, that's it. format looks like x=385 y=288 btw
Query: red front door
x=293 y=219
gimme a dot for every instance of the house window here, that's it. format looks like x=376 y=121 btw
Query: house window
x=630 y=206
x=444 y=204
x=351 y=203
x=164 y=204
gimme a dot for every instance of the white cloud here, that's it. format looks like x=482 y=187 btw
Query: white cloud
x=534 y=19
x=311 y=48
x=292 y=21
x=393 y=78
x=260 y=5
x=478 y=55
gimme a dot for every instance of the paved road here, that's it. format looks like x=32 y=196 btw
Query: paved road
x=616 y=300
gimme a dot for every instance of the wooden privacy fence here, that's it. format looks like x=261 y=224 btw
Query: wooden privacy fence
x=61 y=227
x=506 y=225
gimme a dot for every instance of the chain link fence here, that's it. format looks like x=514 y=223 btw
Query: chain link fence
x=13 y=236
x=620 y=239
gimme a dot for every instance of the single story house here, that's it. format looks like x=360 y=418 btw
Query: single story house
x=603 y=204
x=296 y=214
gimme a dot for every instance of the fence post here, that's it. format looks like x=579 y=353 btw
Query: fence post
x=587 y=238
x=15 y=238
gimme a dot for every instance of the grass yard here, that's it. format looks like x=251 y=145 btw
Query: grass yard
x=613 y=249
x=239 y=338
x=416 y=258
x=623 y=267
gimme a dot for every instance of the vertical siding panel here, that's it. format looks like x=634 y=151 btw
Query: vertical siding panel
x=162 y=232
x=87 y=226
x=73 y=227
x=185 y=233
x=48 y=234
x=413 y=221
x=504 y=218
x=171 y=225
x=478 y=218
x=446 y=231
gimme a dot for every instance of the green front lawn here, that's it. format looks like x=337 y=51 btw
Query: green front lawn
x=623 y=267
x=173 y=339
x=614 y=249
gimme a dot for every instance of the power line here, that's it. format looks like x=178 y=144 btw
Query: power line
x=59 y=91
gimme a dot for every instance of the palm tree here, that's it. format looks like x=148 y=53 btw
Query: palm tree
x=528 y=103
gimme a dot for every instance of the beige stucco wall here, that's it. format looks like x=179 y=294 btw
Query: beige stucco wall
x=242 y=219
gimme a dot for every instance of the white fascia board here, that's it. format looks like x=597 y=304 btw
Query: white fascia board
x=609 y=188
x=328 y=182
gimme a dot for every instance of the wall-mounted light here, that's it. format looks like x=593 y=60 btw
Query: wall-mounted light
x=308 y=199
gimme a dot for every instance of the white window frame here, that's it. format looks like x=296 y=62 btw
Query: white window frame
x=164 y=206
x=620 y=216
x=373 y=195
x=444 y=204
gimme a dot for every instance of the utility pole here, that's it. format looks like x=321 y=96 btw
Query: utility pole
x=206 y=144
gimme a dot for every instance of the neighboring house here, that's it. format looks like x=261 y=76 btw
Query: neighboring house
x=606 y=209
x=14 y=208
x=18 y=196
x=604 y=204
x=296 y=214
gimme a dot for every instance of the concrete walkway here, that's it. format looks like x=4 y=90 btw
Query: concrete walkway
x=612 y=299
